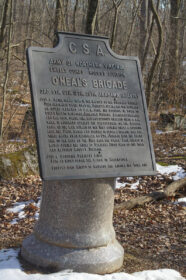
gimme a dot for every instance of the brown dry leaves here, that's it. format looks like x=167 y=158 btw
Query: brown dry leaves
x=153 y=235
x=11 y=192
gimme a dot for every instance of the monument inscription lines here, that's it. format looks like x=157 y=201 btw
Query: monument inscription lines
x=92 y=111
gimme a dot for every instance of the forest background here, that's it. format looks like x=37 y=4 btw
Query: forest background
x=153 y=30
x=148 y=219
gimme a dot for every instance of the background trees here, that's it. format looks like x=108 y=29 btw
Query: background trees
x=153 y=30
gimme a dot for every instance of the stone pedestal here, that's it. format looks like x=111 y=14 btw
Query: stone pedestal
x=75 y=228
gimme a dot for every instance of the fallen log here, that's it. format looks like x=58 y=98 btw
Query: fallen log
x=170 y=190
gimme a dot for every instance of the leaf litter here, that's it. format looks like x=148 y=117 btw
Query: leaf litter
x=153 y=236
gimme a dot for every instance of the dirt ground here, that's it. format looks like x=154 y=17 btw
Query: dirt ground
x=153 y=236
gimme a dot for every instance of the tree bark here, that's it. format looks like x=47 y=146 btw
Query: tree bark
x=6 y=72
x=74 y=15
x=132 y=28
x=143 y=28
x=116 y=9
x=91 y=16
x=59 y=24
x=157 y=56
x=174 y=42
x=3 y=21
x=59 y=17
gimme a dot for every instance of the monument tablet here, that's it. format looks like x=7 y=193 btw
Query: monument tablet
x=90 y=111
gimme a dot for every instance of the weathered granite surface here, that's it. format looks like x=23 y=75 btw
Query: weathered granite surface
x=75 y=228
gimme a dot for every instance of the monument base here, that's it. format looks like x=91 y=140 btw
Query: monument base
x=75 y=229
x=100 y=260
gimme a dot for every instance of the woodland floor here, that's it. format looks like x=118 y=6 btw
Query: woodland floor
x=153 y=236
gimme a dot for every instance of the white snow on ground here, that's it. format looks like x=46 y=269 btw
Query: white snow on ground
x=159 y=131
x=18 y=208
x=180 y=173
x=183 y=199
x=10 y=269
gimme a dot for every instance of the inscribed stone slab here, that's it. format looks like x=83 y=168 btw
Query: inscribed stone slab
x=90 y=111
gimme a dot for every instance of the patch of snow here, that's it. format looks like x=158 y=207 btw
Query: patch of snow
x=21 y=215
x=18 y=208
x=183 y=199
x=159 y=131
x=36 y=216
x=161 y=274
x=24 y=105
x=14 y=221
x=119 y=185
x=10 y=268
x=17 y=140
x=134 y=186
x=180 y=173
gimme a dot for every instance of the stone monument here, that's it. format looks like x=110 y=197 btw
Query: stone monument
x=91 y=127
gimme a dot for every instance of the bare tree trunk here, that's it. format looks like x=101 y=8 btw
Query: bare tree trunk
x=158 y=53
x=59 y=16
x=149 y=39
x=27 y=32
x=182 y=31
x=143 y=28
x=74 y=15
x=132 y=28
x=59 y=24
x=116 y=4
x=66 y=3
x=6 y=72
x=174 y=42
x=91 y=16
x=3 y=21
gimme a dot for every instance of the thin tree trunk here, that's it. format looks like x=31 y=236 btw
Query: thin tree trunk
x=143 y=28
x=143 y=61
x=116 y=9
x=6 y=72
x=156 y=59
x=149 y=39
x=59 y=24
x=27 y=32
x=132 y=28
x=3 y=21
x=174 y=42
x=74 y=15
x=59 y=16
x=91 y=16
x=114 y=27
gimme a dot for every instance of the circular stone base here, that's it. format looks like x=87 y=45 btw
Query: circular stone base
x=100 y=260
